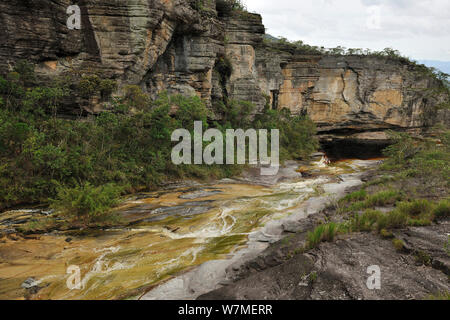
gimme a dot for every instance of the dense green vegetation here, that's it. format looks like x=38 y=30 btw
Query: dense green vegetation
x=82 y=164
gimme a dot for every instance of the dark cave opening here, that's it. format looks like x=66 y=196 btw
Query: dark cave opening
x=353 y=149
x=275 y=96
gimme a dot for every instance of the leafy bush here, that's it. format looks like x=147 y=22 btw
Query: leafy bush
x=235 y=114
x=297 y=133
x=298 y=139
x=424 y=160
x=135 y=98
x=402 y=149
x=92 y=84
x=86 y=202
x=190 y=110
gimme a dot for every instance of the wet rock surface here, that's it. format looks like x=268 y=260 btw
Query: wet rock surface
x=248 y=234
x=11 y=220
x=338 y=270
x=262 y=250
x=147 y=213
x=288 y=171
x=430 y=241
x=31 y=286
x=195 y=194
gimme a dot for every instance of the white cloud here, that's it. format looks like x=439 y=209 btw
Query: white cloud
x=418 y=28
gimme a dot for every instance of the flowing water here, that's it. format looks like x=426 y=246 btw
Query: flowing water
x=169 y=232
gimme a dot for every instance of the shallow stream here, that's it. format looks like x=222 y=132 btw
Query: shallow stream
x=170 y=231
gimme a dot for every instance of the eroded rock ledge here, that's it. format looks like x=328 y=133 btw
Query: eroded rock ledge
x=175 y=46
x=340 y=271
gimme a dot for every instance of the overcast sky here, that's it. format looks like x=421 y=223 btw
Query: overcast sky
x=420 y=29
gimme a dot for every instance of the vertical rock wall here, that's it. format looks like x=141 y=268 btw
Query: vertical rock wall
x=175 y=46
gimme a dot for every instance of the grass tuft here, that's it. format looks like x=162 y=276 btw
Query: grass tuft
x=398 y=244
x=323 y=233
x=415 y=208
x=386 y=234
x=380 y=199
x=423 y=258
x=442 y=210
x=355 y=196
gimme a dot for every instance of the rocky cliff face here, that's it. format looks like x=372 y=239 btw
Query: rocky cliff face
x=353 y=96
x=177 y=46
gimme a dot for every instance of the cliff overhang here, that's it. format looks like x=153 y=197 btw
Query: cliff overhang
x=176 y=46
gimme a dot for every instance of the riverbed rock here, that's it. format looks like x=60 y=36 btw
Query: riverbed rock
x=29 y=283
x=196 y=194
x=262 y=251
x=288 y=171
x=340 y=272
x=31 y=286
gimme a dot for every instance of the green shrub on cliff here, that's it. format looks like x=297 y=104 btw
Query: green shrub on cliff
x=235 y=114
x=228 y=6
x=297 y=133
x=19 y=93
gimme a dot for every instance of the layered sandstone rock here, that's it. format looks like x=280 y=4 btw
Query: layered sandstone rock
x=175 y=46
